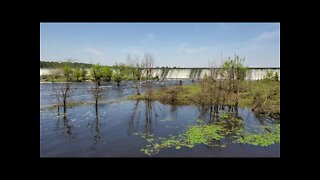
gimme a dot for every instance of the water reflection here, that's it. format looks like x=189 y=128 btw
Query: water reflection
x=97 y=136
x=68 y=128
x=173 y=111
x=132 y=126
x=263 y=119
x=148 y=123
x=203 y=110
x=96 y=92
x=213 y=115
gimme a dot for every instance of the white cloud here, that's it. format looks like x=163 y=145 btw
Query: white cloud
x=268 y=35
x=95 y=52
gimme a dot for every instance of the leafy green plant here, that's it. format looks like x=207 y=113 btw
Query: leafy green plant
x=261 y=139
x=208 y=134
x=198 y=134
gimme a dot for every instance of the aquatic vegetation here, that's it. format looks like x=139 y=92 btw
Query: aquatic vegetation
x=261 y=139
x=224 y=116
x=202 y=134
x=194 y=135
x=231 y=123
x=228 y=125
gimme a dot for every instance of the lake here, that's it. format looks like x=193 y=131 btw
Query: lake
x=112 y=130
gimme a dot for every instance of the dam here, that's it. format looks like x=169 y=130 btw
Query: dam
x=195 y=73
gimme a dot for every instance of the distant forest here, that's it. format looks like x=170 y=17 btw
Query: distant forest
x=47 y=64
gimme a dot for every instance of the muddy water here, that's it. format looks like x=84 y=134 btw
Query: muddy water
x=110 y=131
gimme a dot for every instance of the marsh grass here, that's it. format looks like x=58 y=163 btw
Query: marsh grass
x=193 y=95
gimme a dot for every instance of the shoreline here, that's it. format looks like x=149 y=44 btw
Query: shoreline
x=45 y=82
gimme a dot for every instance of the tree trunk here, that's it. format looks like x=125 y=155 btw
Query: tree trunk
x=96 y=107
x=138 y=91
x=64 y=107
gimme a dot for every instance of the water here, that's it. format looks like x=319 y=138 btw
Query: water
x=110 y=133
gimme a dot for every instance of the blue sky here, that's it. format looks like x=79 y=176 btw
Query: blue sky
x=172 y=44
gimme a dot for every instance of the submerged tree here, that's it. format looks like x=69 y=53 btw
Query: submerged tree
x=222 y=85
x=212 y=93
x=96 y=72
x=56 y=87
x=67 y=72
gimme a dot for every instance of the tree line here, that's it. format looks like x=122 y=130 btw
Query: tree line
x=54 y=65
x=136 y=69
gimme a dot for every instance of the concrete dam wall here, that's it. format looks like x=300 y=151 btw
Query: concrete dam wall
x=193 y=73
x=199 y=73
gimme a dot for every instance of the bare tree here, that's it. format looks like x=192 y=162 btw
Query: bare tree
x=61 y=90
x=54 y=74
x=96 y=91
x=214 y=89
x=148 y=61
x=136 y=68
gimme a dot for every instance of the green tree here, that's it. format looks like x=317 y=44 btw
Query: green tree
x=67 y=72
x=235 y=73
x=84 y=73
x=120 y=73
x=106 y=73
x=77 y=74
x=96 y=72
